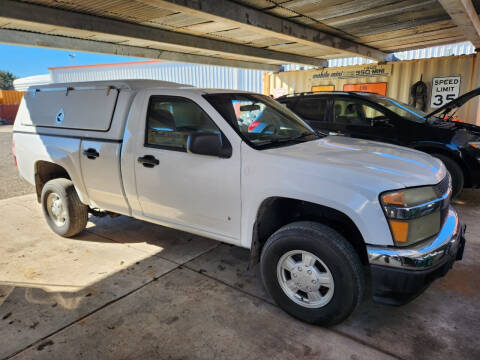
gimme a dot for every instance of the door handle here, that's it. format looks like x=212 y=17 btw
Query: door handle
x=148 y=161
x=91 y=153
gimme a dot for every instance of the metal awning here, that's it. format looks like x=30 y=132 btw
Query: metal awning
x=260 y=34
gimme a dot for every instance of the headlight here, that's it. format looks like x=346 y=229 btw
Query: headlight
x=475 y=144
x=413 y=214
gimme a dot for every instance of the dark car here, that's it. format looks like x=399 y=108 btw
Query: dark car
x=374 y=117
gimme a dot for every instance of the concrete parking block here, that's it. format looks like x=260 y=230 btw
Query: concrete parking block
x=178 y=246
x=185 y=315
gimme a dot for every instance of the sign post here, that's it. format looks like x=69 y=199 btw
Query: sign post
x=444 y=90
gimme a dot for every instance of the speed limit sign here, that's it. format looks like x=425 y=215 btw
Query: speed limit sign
x=444 y=90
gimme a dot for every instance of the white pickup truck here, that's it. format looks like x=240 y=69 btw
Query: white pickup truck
x=322 y=215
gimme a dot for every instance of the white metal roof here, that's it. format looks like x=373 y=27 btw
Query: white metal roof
x=23 y=84
x=127 y=84
x=119 y=84
x=201 y=76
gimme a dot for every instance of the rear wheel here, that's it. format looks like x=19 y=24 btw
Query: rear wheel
x=455 y=171
x=65 y=213
x=312 y=272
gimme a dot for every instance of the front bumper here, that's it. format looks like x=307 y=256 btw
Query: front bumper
x=400 y=274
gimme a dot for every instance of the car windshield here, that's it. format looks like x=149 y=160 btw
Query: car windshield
x=405 y=111
x=261 y=121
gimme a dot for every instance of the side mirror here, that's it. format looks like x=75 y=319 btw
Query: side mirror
x=209 y=144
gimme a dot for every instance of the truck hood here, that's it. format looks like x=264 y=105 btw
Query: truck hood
x=398 y=164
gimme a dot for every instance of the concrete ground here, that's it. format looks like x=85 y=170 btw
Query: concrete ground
x=129 y=289
x=126 y=289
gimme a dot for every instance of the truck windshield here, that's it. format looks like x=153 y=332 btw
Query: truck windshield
x=261 y=121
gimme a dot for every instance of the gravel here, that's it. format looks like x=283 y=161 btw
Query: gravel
x=10 y=182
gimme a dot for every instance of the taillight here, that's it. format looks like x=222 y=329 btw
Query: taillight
x=253 y=125
x=13 y=153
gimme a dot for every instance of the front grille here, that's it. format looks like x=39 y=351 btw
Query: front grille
x=441 y=189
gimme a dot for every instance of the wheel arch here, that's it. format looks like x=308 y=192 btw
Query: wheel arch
x=45 y=171
x=275 y=212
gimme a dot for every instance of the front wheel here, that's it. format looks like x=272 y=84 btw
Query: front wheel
x=64 y=212
x=313 y=273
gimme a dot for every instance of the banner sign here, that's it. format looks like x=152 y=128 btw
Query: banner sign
x=357 y=72
x=320 y=88
x=379 y=88
x=444 y=90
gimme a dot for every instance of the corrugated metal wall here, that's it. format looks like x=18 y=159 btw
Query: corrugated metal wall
x=463 y=48
x=10 y=97
x=404 y=74
x=202 y=76
x=9 y=103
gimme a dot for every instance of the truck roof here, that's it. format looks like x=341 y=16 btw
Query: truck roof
x=133 y=84
x=119 y=84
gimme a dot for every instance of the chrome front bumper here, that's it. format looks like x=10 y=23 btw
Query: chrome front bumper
x=447 y=245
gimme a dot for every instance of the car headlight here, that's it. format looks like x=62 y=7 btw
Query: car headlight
x=413 y=214
x=475 y=144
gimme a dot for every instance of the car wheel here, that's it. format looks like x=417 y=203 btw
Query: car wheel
x=312 y=272
x=65 y=213
x=455 y=171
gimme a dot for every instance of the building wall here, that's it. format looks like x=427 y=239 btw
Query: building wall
x=202 y=76
x=401 y=77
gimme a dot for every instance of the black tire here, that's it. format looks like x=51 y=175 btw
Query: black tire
x=76 y=214
x=334 y=251
x=458 y=179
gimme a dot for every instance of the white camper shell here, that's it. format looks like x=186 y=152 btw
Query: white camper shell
x=82 y=109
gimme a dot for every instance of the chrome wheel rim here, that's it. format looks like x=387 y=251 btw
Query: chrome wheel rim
x=305 y=279
x=56 y=209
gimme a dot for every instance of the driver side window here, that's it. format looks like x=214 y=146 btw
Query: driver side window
x=372 y=114
x=352 y=112
x=170 y=120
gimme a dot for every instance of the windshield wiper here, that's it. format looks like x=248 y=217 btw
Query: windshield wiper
x=296 y=139
x=304 y=135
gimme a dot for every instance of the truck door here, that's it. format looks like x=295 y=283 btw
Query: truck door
x=197 y=192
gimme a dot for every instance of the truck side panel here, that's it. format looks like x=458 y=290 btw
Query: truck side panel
x=102 y=176
x=97 y=126
x=31 y=148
